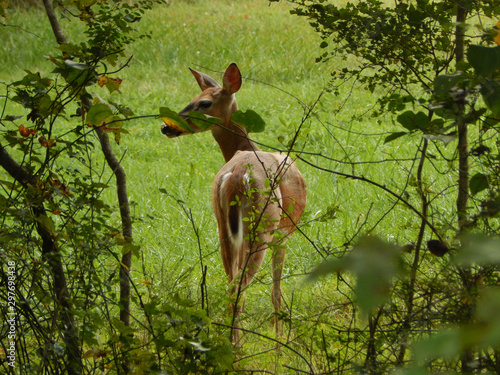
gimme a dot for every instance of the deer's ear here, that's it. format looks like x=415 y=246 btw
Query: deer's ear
x=232 y=79
x=203 y=80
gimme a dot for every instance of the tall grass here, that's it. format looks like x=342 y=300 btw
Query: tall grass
x=276 y=54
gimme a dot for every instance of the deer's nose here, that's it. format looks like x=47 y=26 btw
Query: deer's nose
x=170 y=132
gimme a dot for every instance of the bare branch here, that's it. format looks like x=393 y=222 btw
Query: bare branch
x=384 y=188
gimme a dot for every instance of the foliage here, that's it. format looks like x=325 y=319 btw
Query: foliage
x=250 y=120
x=434 y=70
x=375 y=265
x=364 y=186
x=62 y=249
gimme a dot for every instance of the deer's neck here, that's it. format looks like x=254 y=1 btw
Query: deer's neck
x=232 y=138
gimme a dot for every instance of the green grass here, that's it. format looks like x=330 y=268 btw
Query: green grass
x=276 y=53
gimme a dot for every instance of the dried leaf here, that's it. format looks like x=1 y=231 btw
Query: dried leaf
x=46 y=142
x=26 y=132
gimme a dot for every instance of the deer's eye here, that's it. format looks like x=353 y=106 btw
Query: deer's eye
x=204 y=104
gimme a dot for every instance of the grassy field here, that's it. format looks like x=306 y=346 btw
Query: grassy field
x=276 y=53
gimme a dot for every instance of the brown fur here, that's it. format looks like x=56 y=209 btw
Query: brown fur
x=266 y=187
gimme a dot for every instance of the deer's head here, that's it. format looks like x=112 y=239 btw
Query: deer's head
x=214 y=100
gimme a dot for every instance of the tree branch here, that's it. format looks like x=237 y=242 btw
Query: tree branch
x=13 y=168
x=121 y=186
x=398 y=197
x=54 y=22
x=52 y=257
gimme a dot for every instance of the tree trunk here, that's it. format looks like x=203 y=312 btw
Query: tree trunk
x=463 y=150
x=121 y=185
x=463 y=185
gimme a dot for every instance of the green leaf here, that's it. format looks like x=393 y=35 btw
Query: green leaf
x=478 y=183
x=445 y=138
x=131 y=247
x=172 y=119
x=445 y=82
x=478 y=249
x=99 y=114
x=444 y=344
x=47 y=223
x=33 y=80
x=484 y=60
x=326 y=268
x=490 y=90
x=198 y=347
x=11 y=118
x=121 y=327
x=391 y=137
x=250 y=120
x=488 y=306
x=375 y=263
x=113 y=84
x=203 y=121
x=413 y=121
x=487 y=314
x=123 y=110
x=76 y=65
x=116 y=126
x=76 y=74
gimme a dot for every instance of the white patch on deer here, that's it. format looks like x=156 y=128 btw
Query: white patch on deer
x=234 y=222
x=246 y=181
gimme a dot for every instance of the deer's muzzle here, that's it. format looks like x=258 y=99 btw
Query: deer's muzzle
x=171 y=131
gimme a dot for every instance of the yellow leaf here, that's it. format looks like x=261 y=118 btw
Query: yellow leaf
x=102 y=80
x=46 y=142
x=497 y=38
x=169 y=122
x=112 y=84
x=172 y=124
x=124 y=266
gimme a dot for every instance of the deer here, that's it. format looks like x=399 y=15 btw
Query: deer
x=258 y=197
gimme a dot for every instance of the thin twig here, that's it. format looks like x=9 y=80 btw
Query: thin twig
x=364 y=179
